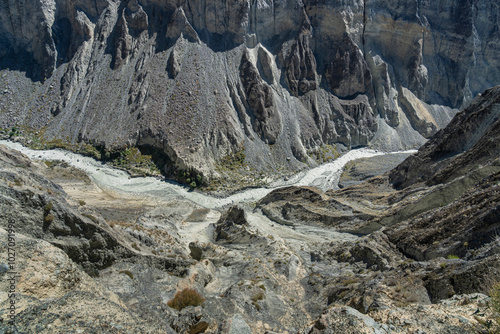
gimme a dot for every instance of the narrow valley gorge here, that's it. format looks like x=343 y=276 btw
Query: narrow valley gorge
x=282 y=81
x=249 y=166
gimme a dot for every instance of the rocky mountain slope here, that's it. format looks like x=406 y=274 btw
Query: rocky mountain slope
x=280 y=81
x=429 y=256
x=442 y=202
x=447 y=168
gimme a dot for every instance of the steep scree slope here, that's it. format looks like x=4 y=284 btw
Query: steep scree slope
x=201 y=80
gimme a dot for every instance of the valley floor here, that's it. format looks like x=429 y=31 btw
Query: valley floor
x=142 y=240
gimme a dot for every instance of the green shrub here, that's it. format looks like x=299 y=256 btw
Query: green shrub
x=495 y=298
x=259 y=295
x=89 y=216
x=453 y=256
x=185 y=298
x=14 y=132
x=494 y=304
x=48 y=207
x=49 y=163
x=350 y=281
x=48 y=219
x=128 y=273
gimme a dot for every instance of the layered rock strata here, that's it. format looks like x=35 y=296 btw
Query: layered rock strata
x=199 y=80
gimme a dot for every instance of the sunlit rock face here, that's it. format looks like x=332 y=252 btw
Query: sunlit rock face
x=202 y=79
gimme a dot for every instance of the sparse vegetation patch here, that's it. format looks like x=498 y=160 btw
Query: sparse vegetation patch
x=325 y=153
x=185 y=298
x=494 y=304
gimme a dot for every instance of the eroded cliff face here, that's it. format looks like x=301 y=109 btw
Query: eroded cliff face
x=202 y=79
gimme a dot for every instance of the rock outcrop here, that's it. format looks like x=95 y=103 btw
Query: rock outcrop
x=86 y=238
x=304 y=205
x=231 y=227
x=266 y=120
x=348 y=73
x=301 y=68
x=54 y=294
x=470 y=141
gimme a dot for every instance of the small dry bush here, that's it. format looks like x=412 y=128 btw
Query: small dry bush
x=185 y=298
x=48 y=219
x=259 y=295
x=128 y=273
